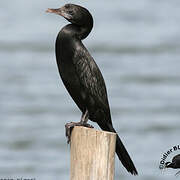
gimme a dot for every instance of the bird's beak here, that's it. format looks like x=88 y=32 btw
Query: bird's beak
x=60 y=12
x=56 y=11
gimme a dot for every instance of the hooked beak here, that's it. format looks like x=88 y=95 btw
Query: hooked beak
x=60 y=12
x=56 y=11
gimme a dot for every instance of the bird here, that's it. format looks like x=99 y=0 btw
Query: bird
x=175 y=164
x=82 y=77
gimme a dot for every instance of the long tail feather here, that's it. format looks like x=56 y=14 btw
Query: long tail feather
x=121 y=150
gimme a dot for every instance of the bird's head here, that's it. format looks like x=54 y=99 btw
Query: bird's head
x=168 y=165
x=73 y=13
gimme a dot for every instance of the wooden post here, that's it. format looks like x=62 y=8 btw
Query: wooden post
x=92 y=154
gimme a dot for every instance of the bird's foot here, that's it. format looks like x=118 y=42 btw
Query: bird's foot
x=69 y=127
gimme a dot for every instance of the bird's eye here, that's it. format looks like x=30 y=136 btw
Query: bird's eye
x=70 y=12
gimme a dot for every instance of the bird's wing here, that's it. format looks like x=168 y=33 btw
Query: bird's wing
x=90 y=76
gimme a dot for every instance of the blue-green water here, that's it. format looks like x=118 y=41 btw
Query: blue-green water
x=137 y=47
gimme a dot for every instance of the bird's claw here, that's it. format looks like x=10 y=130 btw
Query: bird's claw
x=69 y=127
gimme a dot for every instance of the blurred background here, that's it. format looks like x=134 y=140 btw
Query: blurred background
x=137 y=47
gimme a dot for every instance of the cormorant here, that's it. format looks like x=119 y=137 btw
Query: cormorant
x=175 y=164
x=82 y=77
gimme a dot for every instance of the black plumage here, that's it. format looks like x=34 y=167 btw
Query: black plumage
x=175 y=164
x=81 y=75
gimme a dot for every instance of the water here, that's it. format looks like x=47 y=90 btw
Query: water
x=135 y=44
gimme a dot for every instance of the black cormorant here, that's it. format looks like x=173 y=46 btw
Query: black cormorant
x=82 y=77
x=175 y=164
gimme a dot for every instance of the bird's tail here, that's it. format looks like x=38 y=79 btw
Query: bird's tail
x=121 y=150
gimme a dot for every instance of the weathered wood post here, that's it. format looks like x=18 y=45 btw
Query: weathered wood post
x=92 y=154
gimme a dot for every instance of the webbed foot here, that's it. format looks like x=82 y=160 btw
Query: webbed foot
x=69 y=127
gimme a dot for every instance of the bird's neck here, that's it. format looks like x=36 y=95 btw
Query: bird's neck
x=77 y=31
